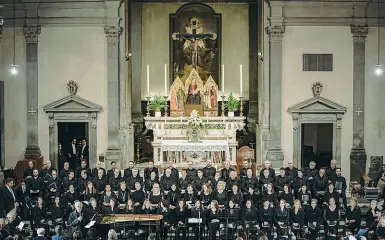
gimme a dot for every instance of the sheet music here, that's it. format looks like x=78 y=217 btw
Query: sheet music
x=339 y=185
x=20 y=226
x=91 y=224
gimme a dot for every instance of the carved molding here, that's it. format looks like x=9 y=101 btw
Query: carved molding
x=275 y=33
x=112 y=33
x=31 y=33
x=359 y=33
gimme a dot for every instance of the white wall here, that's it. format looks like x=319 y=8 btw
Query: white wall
x=235 y=44
x=15 y=101
x=374 y=97
x=337 y=85
x=65 y=53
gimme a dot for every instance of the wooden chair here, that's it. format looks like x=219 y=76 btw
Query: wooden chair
x=245 y=153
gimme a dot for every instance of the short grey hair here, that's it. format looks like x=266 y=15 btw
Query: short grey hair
x=40 y=231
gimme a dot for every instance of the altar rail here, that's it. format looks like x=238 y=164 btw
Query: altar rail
x=172 y=130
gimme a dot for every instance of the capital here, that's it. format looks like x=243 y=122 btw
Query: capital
x=112 y=33
x=276 y=33
x=359 y=33
x=32 y=33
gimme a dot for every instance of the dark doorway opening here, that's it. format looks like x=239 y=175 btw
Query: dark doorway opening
x=70 y=130
x=317 y=144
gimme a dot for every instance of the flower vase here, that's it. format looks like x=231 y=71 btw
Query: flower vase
x=158 y=114
x=230 y=114
x=194 y=135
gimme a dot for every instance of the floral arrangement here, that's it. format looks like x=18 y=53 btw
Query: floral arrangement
x=157 y=103
x=232 y=103
x=194 y=124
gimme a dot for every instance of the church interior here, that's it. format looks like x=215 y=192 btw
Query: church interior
x=290 y=91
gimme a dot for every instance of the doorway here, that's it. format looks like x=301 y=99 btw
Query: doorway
x=316 y=144
x=70 y=130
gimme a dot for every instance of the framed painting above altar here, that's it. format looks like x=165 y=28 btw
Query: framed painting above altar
x=195 y=42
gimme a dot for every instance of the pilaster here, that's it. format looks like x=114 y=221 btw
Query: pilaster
x=31 y=33
x=252 y=117
x=358 y=153
x=274 y=153
x=136 y=81
x=114 y=152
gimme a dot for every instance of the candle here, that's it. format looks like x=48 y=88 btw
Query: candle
x=240 y=77
x=223 y=79
x=181 y=118
x=207 y=118
x=148 y=79
x=165 y=79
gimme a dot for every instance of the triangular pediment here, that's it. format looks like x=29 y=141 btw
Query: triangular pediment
x=317 y=105
x=72 y=103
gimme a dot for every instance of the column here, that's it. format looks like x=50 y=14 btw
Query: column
x=31 y=33
x=274 y=153
x=252 y=117
x=113 y=148
x=358 y=153
x=124 y=87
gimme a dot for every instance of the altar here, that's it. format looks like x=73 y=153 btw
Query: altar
x=218 y=143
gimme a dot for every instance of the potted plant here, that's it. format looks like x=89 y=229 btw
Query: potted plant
x=231 y=105
x=157 y=103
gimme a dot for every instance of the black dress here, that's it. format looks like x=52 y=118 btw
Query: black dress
x=331 y=218
x=38 y=215
x=138 y=197
x=271 y=197
x=222 y=198
x=206 y=199
x=288 y=197
x=213 y=223
x=181 y=216
x=297 y=220
x=355 y=215
x=313 y=215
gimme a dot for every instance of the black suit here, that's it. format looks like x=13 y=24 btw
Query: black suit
x=72 y=157
x=7 y=199
x=85 y=152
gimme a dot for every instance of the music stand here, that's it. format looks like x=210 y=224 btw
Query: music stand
x=226 y=215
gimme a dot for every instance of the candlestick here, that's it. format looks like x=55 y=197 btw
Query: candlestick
x=148 y=79
x=207 y=118
x=148 y=106
x=223 y=78
x=241 y=108
x=165 y=79
x=166 y=106
x=240 y=77
x=223 y=105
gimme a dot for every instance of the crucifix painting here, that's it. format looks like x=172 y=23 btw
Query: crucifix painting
x=194 y=42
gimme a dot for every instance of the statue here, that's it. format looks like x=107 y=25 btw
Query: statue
x=180 y=99
x=193 y=95
x=211 y=95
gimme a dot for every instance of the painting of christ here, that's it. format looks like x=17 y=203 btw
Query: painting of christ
x=213 y=97
x=192 y=43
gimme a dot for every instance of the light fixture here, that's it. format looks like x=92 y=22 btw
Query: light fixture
x=378 y=70
x=378 y=67
x=14 y=70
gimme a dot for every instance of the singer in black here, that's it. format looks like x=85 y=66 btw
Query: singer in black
x=353 y=216
x=281 y=216
x=313 y=218
x=331 y=217
x=266 y=214
x=297 y=217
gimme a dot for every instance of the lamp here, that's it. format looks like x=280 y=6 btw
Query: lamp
x=378 y=67
x=14 y=70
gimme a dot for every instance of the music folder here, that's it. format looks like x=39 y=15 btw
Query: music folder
x=339 y=185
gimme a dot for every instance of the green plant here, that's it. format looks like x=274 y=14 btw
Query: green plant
x=157 y=103
x=232 y=103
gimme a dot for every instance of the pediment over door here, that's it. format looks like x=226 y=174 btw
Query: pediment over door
x=72 y=103
x=317 y=105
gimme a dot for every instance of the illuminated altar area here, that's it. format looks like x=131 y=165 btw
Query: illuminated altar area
x=170 y=140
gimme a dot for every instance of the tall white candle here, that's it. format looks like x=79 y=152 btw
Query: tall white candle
x=240 y=77
x=148 y=79
x=165 y=79
x=223 y=79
